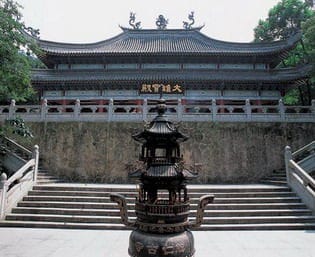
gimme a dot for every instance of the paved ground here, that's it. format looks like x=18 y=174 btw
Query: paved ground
x=27 y=242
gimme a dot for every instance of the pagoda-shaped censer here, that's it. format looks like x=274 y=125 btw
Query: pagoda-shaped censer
x=162 y=206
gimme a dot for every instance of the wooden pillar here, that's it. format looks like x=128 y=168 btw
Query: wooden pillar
x=258 y=103
x=221 y=103
x=64 y=103
x=139 y=103
x=101 y=102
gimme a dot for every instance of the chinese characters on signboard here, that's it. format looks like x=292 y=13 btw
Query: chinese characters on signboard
x=161 y=88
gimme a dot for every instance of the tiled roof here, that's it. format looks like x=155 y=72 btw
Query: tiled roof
x=145 y=76
x=172 y=41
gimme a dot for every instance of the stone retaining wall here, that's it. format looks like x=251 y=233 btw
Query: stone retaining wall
x=225 y=152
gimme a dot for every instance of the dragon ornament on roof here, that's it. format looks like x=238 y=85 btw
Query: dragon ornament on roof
x=132 y=20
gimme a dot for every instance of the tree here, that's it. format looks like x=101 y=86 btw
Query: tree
x=309 y=41
x=285 y=19
x=15 y=67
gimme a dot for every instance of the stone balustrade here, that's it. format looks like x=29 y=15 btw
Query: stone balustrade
x=177 y=112
x=298 y=166
x=14 y=188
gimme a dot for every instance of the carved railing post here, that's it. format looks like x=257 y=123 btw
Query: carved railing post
x=179 y=110
x=35 y=156
x=3 y=192
x=43 y=110
x=248 y=110
x=281 y=109
x=145 y=109
x=110 y=109
x=287 y=158
x=214 y=109
x=12 y=109
x=77 y=109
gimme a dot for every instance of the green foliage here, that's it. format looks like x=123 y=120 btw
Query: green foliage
x=15 y=65
x=309 y=40
x=15 y=127
x=292 y=97
x=284 y=19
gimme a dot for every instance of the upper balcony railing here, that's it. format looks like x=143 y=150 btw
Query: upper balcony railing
x=143 y=112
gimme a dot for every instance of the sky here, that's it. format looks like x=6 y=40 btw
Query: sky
x=87 y=21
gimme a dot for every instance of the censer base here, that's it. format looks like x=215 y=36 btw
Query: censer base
x=143 y=244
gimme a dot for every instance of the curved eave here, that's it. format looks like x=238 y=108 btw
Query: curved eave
x=164 y=42
x=143 y=136
x=168 y=76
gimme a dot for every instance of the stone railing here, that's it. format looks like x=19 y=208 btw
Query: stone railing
x=13 y=189
x=298 y=166
x=177 y=112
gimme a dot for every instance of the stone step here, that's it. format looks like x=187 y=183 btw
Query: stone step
x=277 y=177
x=194 y=200
x=64 y=218
x=281 y=178
x=206 y=220
x=61 y=225
x=258 y=220
x=45 y=174
x=274 y=182
x=44 y=177
x=265 y=226
x=213 y=206
x=202 y=189
x=75 y=205
x=255 y=206
x=134 y=194
x=48 y=181
x=100 y=226
x=115 y=212
x=87 y=206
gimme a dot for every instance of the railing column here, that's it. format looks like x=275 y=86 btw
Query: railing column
x=12 y=110
x=3 y=192
x=214 y=109
x=248 y=110
x=287 y=158
x=35 y=156
x=145 y=109
x=179 y=110
x=77 y=109
x=281 y=110
x=43 y=110
x=110 y=109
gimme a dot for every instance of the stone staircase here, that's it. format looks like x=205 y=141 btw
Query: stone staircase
x=277 y=177
x=46 y=177
x=87 y=206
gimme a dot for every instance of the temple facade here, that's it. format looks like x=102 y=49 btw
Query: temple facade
x=141 y=64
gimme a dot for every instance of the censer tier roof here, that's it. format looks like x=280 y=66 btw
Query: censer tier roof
x=160 y=126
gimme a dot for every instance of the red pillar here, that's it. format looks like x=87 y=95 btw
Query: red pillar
x=221 y=103
x=258 y=103
x=101 y=102
x=139 y=102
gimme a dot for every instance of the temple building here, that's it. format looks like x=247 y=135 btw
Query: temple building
x=183 y=64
